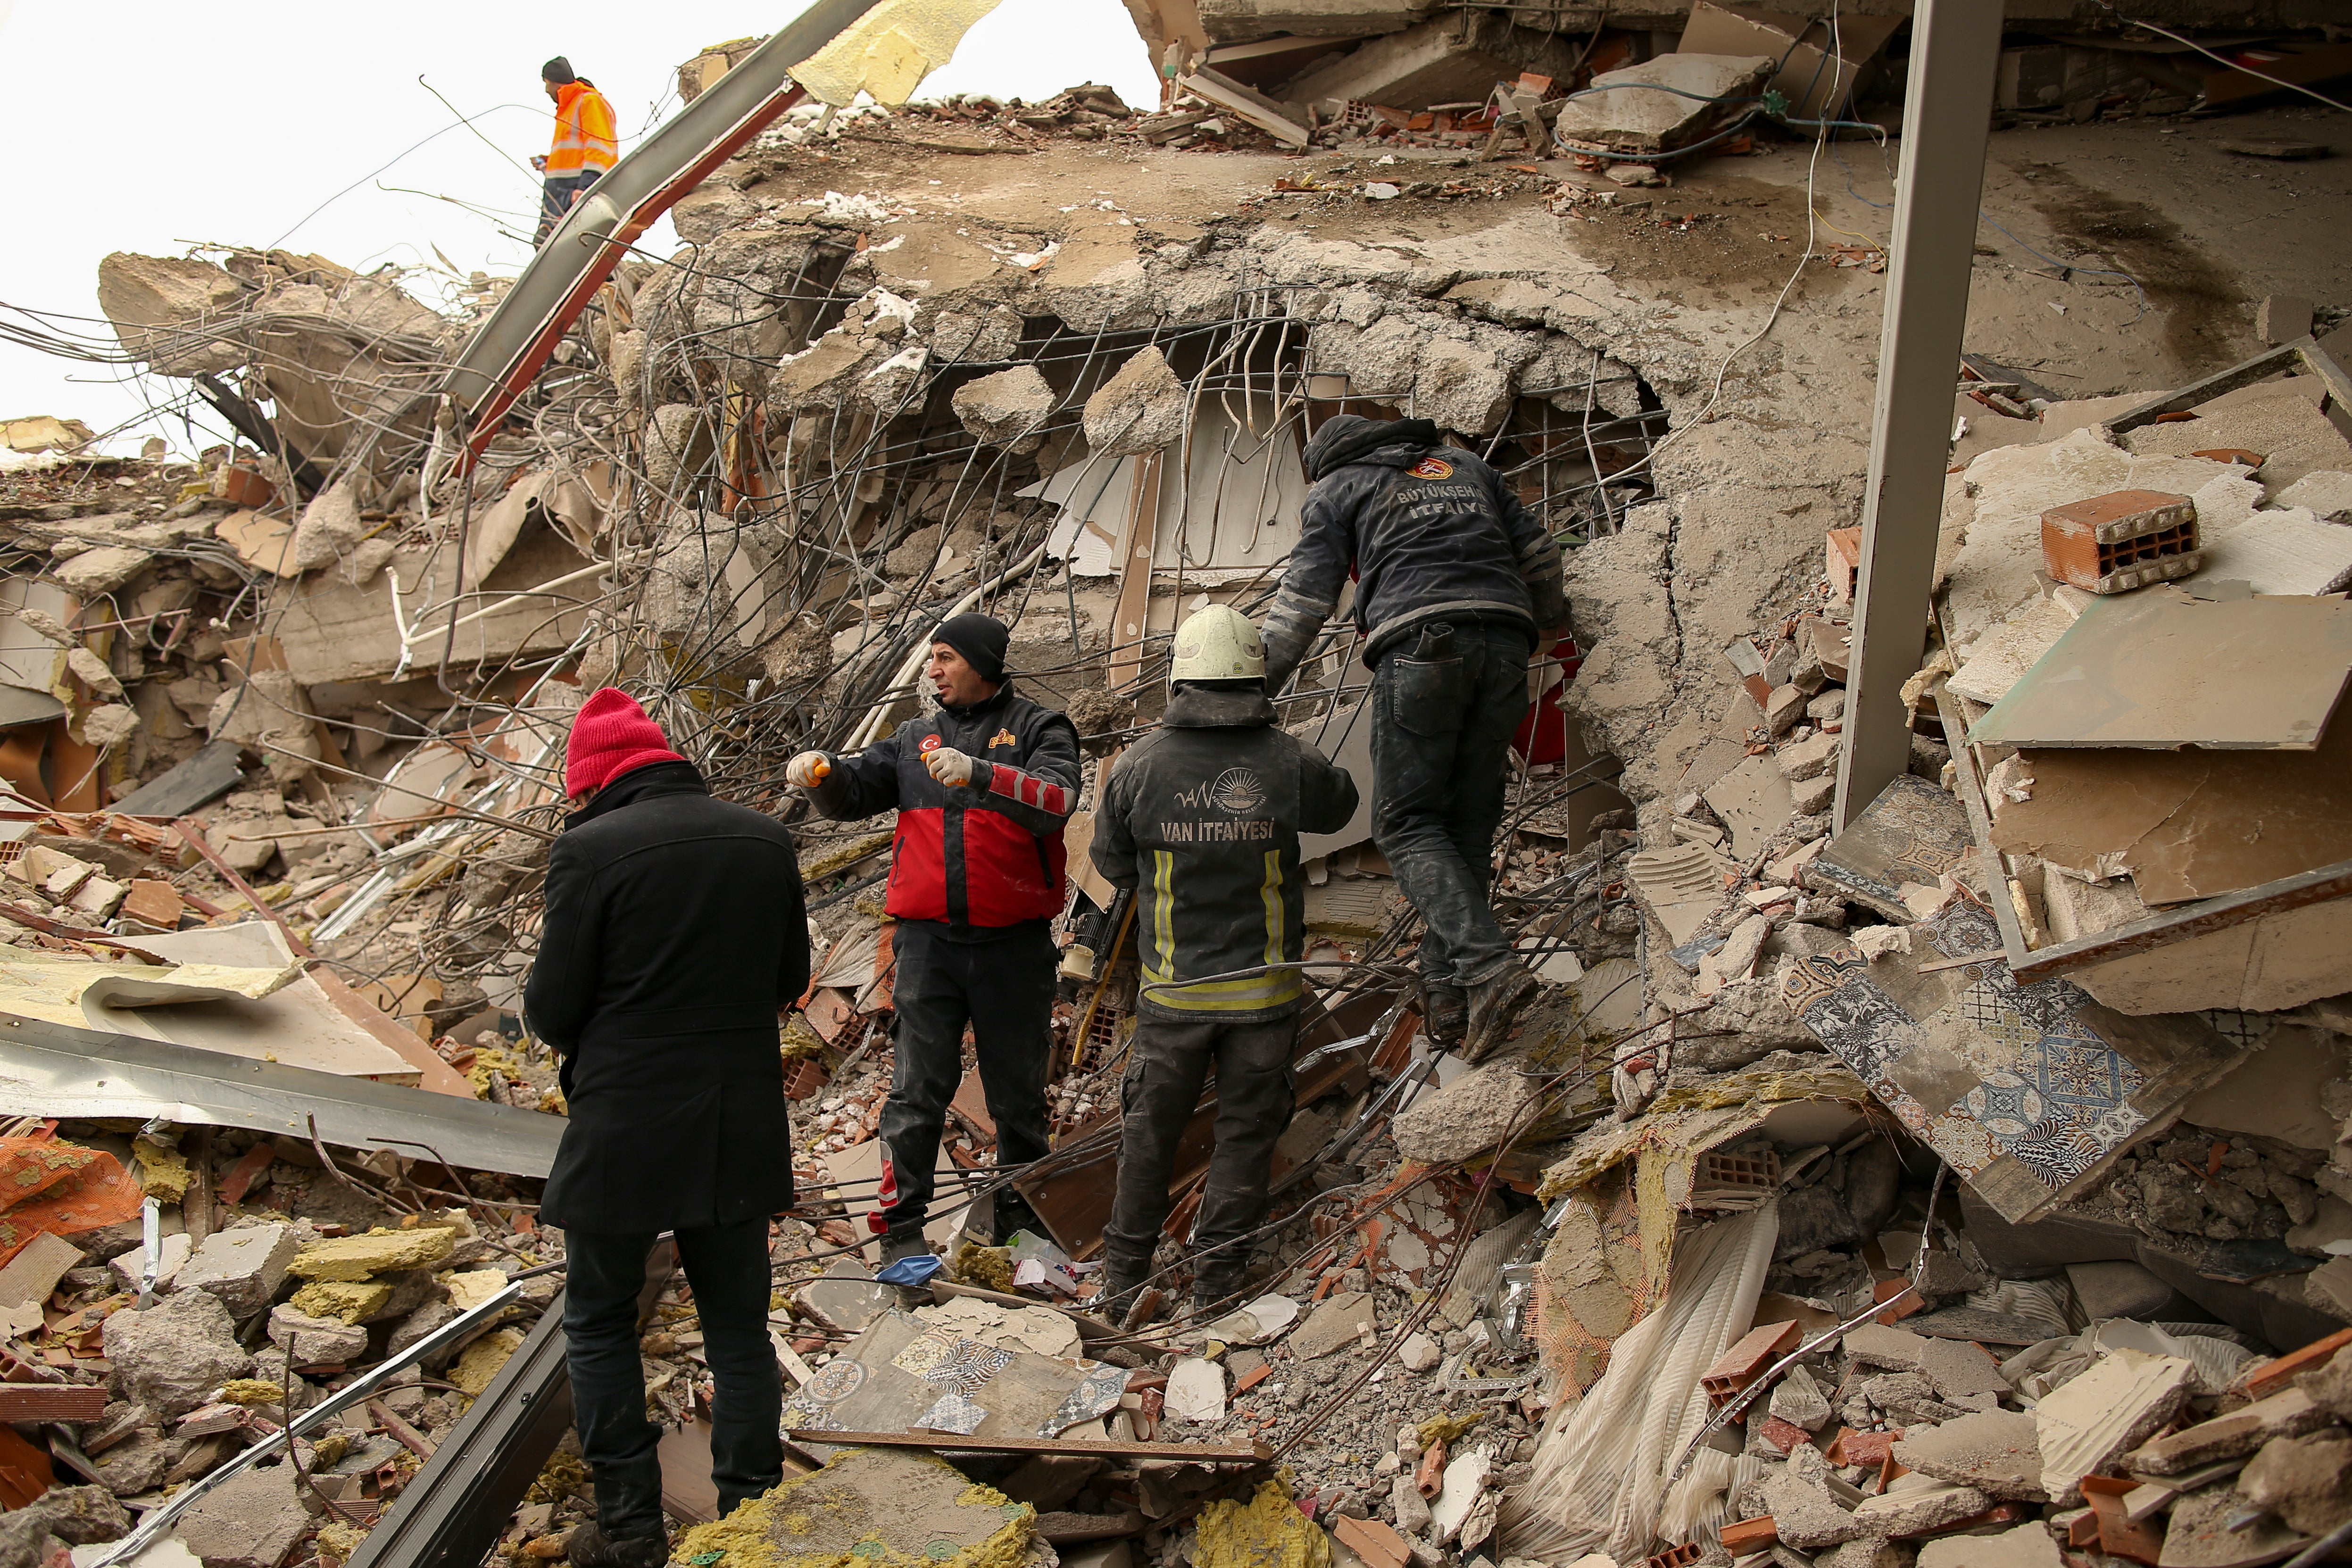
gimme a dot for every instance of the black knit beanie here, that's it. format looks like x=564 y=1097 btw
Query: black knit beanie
x=981 y=639
x=557 y=70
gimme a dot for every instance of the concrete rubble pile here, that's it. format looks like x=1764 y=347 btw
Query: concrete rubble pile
x=1968 y=1184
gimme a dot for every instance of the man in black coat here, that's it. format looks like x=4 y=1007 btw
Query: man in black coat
x=1200 y=818
x=674 y=932
x=1456 y=585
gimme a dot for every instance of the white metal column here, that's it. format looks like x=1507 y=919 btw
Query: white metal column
x=1955 y=51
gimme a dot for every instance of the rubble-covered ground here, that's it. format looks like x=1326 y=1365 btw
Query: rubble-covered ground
x=949 y=356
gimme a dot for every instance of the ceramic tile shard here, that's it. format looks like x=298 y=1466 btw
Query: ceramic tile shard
x=2161 y=669
x=2029 y=1091
x=1911 y=836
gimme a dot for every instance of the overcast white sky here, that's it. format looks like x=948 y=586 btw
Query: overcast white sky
x=142 y=126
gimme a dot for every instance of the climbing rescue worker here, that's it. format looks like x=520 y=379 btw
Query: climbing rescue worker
x=674 y=934
x=983 y=789
x=1457 y=585
x=585 y=146
x=1200 y=818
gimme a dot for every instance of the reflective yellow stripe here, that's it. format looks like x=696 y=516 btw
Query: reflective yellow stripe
x=1163 y=915
x=1231 y=996
x=1272 y=893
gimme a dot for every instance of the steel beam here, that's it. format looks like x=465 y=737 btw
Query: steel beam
x=508 y=350
x=51 y=1070
x=453 y=1513
x=1955 y=50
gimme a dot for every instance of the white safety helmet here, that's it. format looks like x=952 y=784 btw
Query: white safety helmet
x=1217 y=644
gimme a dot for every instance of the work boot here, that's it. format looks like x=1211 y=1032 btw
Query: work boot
x=627 y=1530
x=1012 y=1214
x=1122 y=1282
x=1445 y=1016
x=1495 y=1002
x=590 y=1547
x=907 y=1243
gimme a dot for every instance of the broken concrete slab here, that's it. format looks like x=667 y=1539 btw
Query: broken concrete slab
x=1798 y=1400
x=252 y=1519
x=1997 y=1452
x=1338 y=1323
x=2305 y=1481
x=1917 y=1509
x=1008 y=406
x=1428 y=62
x=2104 y=1414
x=1140 y=409
x=1807 y=1517
x=2289 y=1413
x=310 y=1341
x=1468 y=1117
x=1627 y=113
x=1754 y=802
x=1876 y=1345
x=845 y=1300
x=1958 y=1368
x=243 y=1267
x=2206 y=1532
x=2027 y=1546
x=172 y=1356
x=161 y=307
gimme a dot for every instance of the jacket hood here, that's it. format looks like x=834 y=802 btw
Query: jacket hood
x=1190 y=707
x=640 y=784
x=1346 y=438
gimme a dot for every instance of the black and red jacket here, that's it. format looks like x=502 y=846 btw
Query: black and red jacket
x=984 y=855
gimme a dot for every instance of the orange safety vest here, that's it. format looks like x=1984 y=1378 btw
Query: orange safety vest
x=584 y=139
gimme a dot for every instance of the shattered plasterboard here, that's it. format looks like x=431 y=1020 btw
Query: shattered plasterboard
x=2161 y=669
x=2029 y=1091
x=1624 y=1185
x=2185 y=824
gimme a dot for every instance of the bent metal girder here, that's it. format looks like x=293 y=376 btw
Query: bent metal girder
x=511 y=347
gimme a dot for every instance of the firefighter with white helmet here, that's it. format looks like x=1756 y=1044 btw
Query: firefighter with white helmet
x=1200 y=818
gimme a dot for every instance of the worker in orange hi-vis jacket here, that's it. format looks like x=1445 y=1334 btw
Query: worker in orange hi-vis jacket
x=585 y=144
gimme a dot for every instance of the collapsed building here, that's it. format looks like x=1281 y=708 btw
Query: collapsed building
x=1960 y=1178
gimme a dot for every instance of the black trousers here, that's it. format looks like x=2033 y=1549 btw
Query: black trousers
x=556 y=196
x=1442 y=721
x=1003 y=988
x=728 y=1266
x=1158 y=1094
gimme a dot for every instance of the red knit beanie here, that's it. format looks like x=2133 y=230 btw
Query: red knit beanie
x=611 y=735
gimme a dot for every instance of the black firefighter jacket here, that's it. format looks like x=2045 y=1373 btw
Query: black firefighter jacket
x=1431 y=533
x=675 y=930
x=987 y=854
x=1201 y=819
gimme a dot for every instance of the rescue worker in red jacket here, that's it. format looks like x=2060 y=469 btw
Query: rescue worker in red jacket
x=586 y=145
x=983 y=789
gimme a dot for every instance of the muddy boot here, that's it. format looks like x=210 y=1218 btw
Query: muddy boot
x=1123 y=1285
x=1495 y=1002
x=590 y=1547
x=1445 y=1016
x=1014 y=1214
x=627 y=1530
